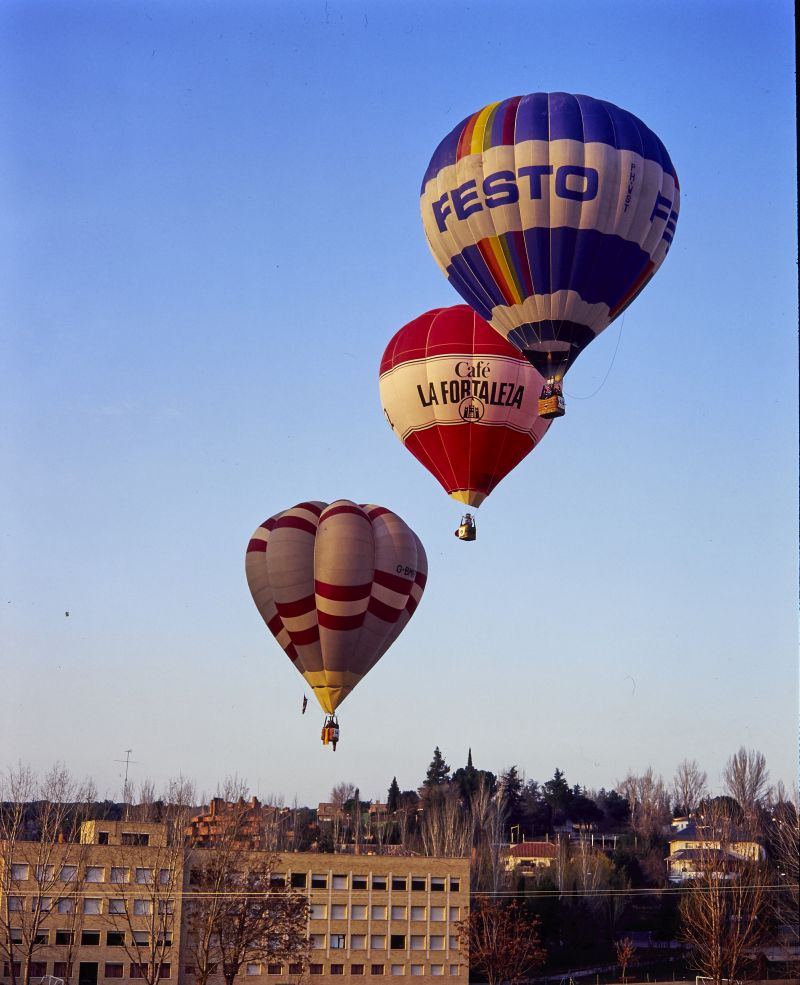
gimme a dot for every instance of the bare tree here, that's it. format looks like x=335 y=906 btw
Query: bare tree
x=783 y=844
x=746 y=779
x=689 y=786
x=724 y=907
x=445 y=830
x=39 y=823
x=148 y=910
x=502 y=941
x=488 y=824
x=648 y=801
x=625 y=953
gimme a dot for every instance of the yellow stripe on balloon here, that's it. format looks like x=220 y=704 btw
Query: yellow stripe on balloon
x=503 y=264
x=478 y=131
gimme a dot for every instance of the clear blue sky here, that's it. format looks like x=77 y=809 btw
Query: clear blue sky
x=210 y=232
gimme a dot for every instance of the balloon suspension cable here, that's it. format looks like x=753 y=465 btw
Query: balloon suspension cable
x=589 y=396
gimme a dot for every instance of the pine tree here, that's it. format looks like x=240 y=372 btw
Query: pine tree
x=511 y=795
x=393 y=797
x=438 y=771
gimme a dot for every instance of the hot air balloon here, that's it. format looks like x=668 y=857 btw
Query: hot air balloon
x=549 y=213
x=463 y=401
x=335 y=584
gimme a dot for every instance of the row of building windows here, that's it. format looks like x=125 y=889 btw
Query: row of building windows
x=377 y=942
x=92 y=905
x=359 y=911
x=63 y=969
x=92 y=938
x=21 y=872
x=417 y=884
x=356 y=968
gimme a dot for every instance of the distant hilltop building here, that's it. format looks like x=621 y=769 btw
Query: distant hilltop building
x=248 y=824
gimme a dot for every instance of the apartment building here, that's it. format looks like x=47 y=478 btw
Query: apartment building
x=111 y=907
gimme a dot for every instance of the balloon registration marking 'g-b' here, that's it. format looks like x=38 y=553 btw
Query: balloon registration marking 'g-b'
x=549 y=213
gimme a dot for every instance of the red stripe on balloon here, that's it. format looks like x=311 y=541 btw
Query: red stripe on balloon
x=328 y=620
x=275 y=625
x=465 y=140
x=387 y=613
x=342 y=593
x=395 y=582
x=296 y=522
x=304 y=637
x=421 y=579
x=411 y=605
x=350 y=508
x=378 y=511
x=300 y=607
x=311 y=507
x=256 y=545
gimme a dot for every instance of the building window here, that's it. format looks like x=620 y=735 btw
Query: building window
x=452 y=943
x=15 y=934
x=358 y=911
x=113 y=970
x=68 y=873
x=295 y=969
x=189 y=969
x=315 y=969
x=116 y=906
x=92 y=905
x=455 y=912
x=378 y=912
x=318 y=942
x=166 y=907
x=94 y=873
x=399 y=883
x=143 y=876
x=62 y=969
x=115 y=938
x=437 y=942
x=277 y=880
x=378 y=942
x=17 y=904
x=64 y=938
x=142 y=907
x=138 y=970
x=102 y=839
x=359 y=882
x=164 y=938
x=417 y=969
x=417 y=942
x=356 y=969
x=417 y=912
x=141 y=938
x=437 y=884
x=318 y=911
x=119 y=873
x=19 y=872
x=340 y=882
x=379 y=882
x=90 y=938
x=337 y=969
x=338 y=942
x=45 y=904
x=135 y=838
x=437 y=969
x=44 y=873
x=399 y=912
x=398 y=969
x=66 y=905
x=41 y=937
x=437 y=913
x=165 y=969
x=319 y=881
x=339 y=911
x=273 y=969
x=16 y=965
x=418 y=885
x=397 y=942
x=164 y=877
x=358 y=942
x=454 y=969
x=376 y=969
x=455 y=885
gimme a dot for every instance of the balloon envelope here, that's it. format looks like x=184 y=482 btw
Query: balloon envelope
x=549 y=213
x=461 y=399
x=335 y=584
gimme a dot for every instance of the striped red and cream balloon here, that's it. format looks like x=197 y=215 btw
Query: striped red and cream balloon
x=335 y=584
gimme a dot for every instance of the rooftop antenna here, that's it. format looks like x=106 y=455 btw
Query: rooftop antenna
x=125 y=791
